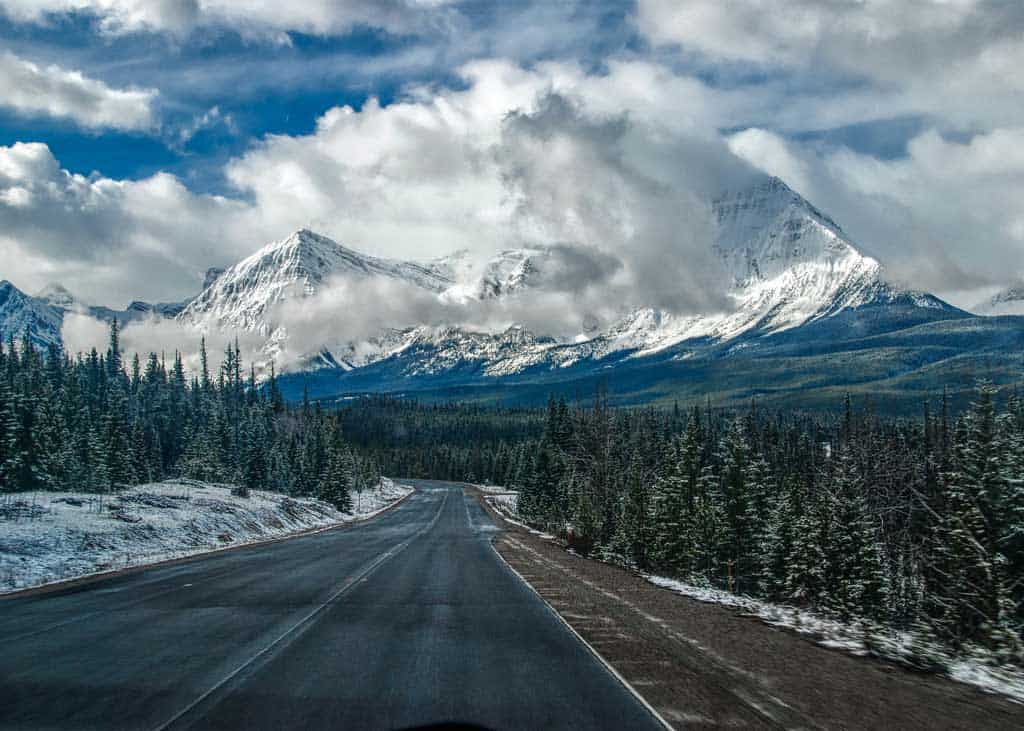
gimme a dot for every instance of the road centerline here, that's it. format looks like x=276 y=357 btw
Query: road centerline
x=296 y=629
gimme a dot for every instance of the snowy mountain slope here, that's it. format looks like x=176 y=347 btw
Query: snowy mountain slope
x=20 y=312
x=59 y=296
x=242 y=296
x=1009 y=301
x=508 y=272
x=786 y=264
x=43 y=313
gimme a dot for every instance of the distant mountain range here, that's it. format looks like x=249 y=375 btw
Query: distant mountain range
x=1009 y=301
x=811 y=317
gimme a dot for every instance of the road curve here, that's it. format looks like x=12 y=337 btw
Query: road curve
x=406 y=620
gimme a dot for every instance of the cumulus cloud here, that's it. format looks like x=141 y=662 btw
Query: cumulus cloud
x=516 y=158
x=415 y=178
x=247 y=16
x=954 y=60
x=30 y=89
x=111 y=240
x=616 y=165
x=614 y=185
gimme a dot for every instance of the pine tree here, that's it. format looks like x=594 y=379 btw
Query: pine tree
x=336 y=481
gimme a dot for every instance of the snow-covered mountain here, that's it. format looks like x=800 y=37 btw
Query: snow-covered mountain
x=21 y=313
x=1009 y=301
x=509 y=272
x=242 y=296
x=786 y=265
x=42 y=315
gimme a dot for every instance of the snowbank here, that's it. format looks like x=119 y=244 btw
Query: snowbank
x=495 y=489
x=860 y=639
x=505 y=503
x=50 y=536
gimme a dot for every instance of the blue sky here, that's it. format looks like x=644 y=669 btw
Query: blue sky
x=142 y=141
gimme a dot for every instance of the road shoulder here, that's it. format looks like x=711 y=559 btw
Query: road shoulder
x=699 y=664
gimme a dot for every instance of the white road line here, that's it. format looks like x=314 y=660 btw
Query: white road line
x=743 y=694
x=306 y=620
x=615 y=673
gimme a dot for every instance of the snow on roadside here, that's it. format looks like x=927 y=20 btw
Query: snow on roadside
x=977 y=669
x=858 y=639
x=51 y=536
x=505 y=503
x=494 y=489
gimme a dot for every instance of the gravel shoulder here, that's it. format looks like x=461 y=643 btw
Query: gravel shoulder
x=703 y=665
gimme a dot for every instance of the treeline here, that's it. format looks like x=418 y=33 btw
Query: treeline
x=94 y=423
x=909 y=523
x=906 y=523
x=915 y=524
x=465 y=442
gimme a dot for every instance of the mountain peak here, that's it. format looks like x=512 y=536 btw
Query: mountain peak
x=306 y=252
x=766 y=228
x=301 y=264
x=56 y=294
x=1009 y=301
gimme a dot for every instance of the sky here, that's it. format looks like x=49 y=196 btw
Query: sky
x=143 y=141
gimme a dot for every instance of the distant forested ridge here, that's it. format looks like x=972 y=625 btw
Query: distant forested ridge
x=905 y=523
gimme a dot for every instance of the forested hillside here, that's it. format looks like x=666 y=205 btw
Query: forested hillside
x=90 y=423
x=910 y=523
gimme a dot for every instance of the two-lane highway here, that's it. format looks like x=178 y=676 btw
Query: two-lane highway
x=406 y=620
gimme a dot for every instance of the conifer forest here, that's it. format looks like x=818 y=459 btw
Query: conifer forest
x=911 y=523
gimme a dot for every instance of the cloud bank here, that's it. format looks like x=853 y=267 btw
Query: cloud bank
x=614 y=158
x=28 y=88
x=249 y=16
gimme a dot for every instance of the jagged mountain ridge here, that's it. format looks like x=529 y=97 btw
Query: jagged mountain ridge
x=21 y=313
x=42 y=315
x=1009 y=301
x=242 y=296
x=786 y=265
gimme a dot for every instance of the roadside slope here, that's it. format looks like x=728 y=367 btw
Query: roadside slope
x=50 y=537
x=699 y=664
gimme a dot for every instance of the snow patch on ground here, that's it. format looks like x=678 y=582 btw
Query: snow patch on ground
x=859 y=638
x=504 y=503
x=51 y=536
x=494 y=489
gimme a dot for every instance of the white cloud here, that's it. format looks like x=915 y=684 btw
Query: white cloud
x=247 y=16
x=955 y=60
x=515 y=158
x=30 y=89
x=769 y=152
x=111 y=240
x=413 y=179
x=80 y=333
x=499 y=163
x=945 y=217
x=618 y=161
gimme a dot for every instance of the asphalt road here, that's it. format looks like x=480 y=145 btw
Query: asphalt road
x=407 y=620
